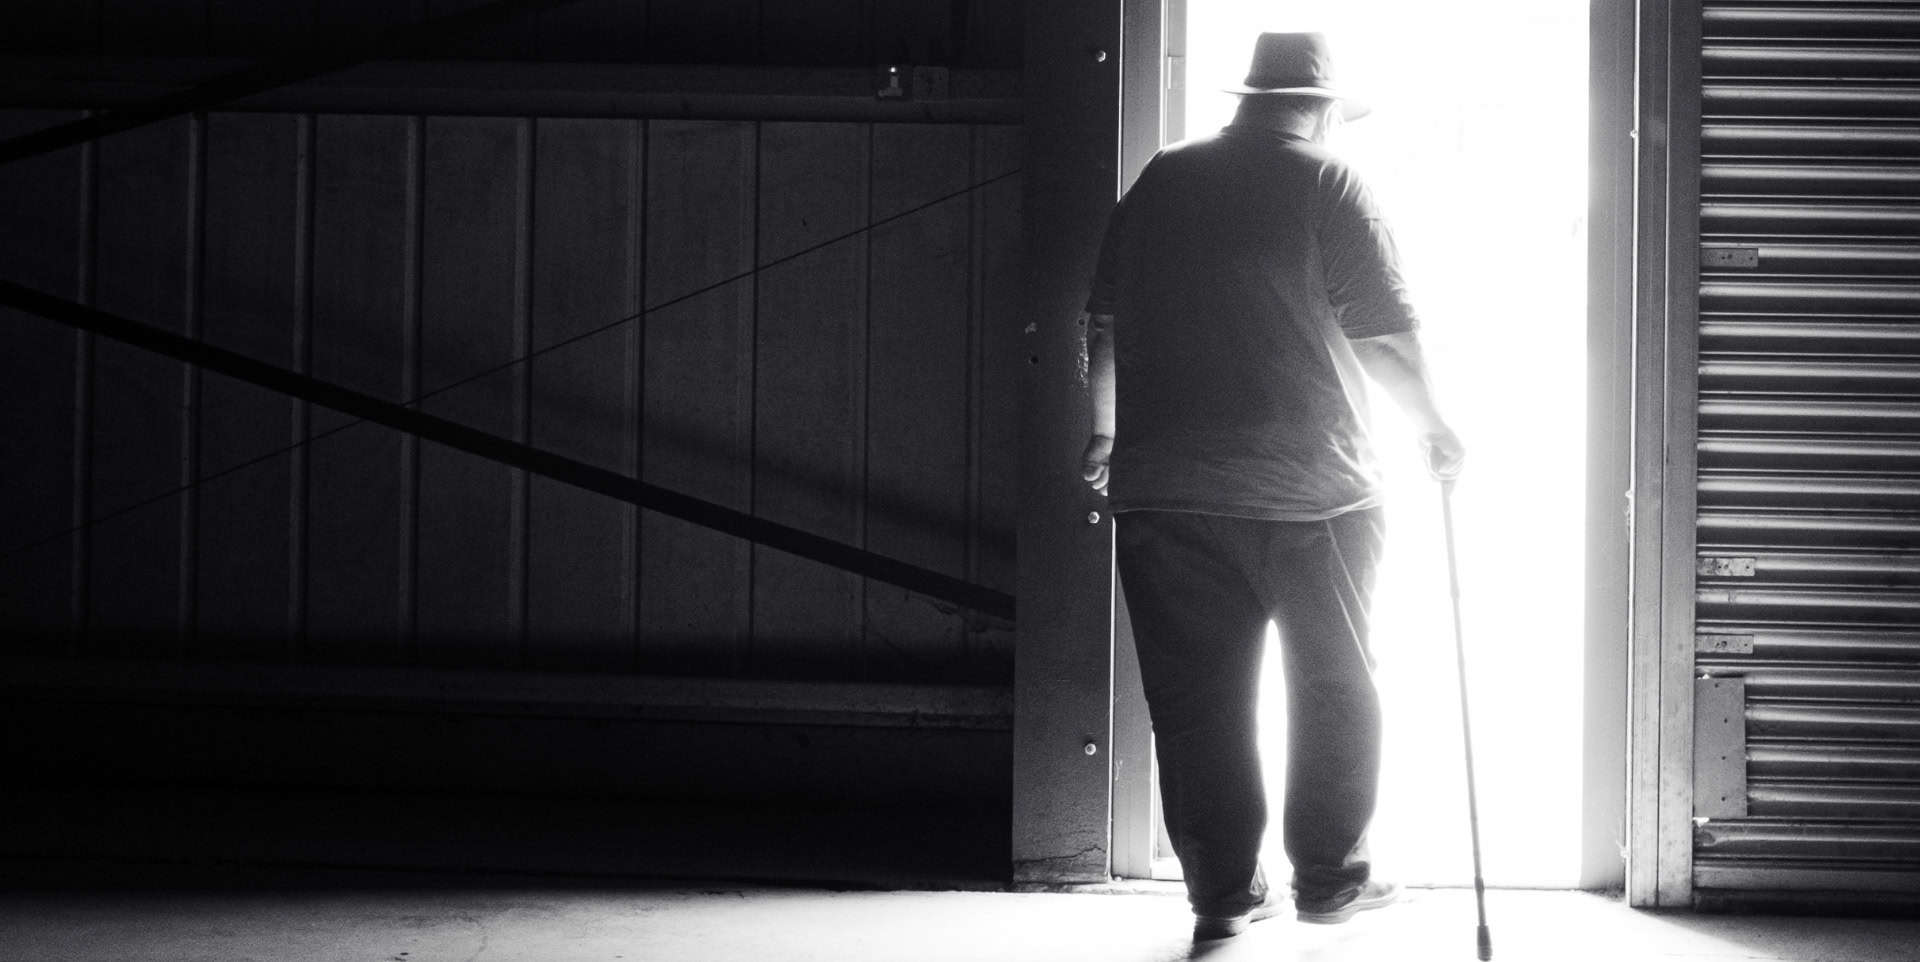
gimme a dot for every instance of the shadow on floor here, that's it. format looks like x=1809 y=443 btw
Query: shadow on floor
x=184 y=832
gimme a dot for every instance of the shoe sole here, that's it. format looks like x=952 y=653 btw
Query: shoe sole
x=1351 y=909
x=1209 y=929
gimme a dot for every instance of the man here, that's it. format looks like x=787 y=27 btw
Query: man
x=1245 y=283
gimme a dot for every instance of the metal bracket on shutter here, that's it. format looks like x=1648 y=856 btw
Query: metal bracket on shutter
x=1723 y=642
x=1719 y=748
x=1723 y=567
x=1729 y=257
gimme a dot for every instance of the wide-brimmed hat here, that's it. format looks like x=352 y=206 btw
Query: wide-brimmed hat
x=1296 y=63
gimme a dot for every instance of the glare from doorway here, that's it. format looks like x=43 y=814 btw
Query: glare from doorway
x=1476 y=150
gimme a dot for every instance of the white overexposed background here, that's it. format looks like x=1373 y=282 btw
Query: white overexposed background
x=1476 y=150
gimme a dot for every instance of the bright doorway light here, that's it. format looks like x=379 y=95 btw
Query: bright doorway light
x=1477 y=151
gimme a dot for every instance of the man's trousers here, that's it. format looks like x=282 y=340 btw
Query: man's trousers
x=1201 y=589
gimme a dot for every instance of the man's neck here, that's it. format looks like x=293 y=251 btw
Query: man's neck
x=1291 y=124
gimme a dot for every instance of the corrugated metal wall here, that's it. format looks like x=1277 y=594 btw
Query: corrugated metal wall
x=1809 y=446
x=707 y=306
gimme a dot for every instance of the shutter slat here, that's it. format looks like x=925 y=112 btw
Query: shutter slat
x=1755 y=98
x=1870 y=568
x=1759 y=219
x=1867 y=60
x=1811 y=720
x=1810 y=179
x=1832 y=799
x=1788 y=643
x=1790 y=760
x=1813 y=21
x=1844 y=492
x=1762 y=333
x=1782 y=257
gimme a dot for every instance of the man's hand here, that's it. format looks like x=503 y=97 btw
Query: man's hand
x=1445 y=454
x=1093 y=464
x=1399 y=365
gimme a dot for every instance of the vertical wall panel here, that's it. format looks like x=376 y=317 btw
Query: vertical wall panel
x=40 y=247
x=1002 y=355
x=698 y=388
x=362 y=309
x=809 y=403
x=918 y=418
x=472 y=315
x=581 y=571
x=248 y=306
x=143 y=263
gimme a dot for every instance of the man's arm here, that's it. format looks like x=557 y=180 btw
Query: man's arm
x=1101 y=302
x=1100 y=378
x=1371 y=303
x=1397 y=363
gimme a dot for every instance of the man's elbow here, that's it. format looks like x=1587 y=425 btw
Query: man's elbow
x=1386 y=346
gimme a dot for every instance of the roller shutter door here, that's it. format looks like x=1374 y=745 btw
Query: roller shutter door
x=1807 y=725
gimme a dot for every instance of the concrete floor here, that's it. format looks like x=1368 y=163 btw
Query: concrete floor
x=400 y=917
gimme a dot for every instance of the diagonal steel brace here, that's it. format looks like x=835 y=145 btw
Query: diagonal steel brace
x=706 y=514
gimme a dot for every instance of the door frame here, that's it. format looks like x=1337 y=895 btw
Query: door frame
x=1089 y=131
x=1061 y=831
x=1153 y=49
x=1662 y=504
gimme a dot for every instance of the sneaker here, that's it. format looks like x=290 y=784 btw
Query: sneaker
x=1373 y=895
x=1209 y=927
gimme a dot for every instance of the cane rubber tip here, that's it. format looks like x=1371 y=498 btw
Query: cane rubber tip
x=1486 y=945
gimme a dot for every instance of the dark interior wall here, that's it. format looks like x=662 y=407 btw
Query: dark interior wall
x=816 y=321
x=809 y=321
x=957 y=33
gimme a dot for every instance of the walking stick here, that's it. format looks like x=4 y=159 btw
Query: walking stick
x=1485 y=938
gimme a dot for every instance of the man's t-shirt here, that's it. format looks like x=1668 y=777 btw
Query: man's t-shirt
x=1236 y=270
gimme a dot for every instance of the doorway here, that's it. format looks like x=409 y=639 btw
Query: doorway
x=1477 y=150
